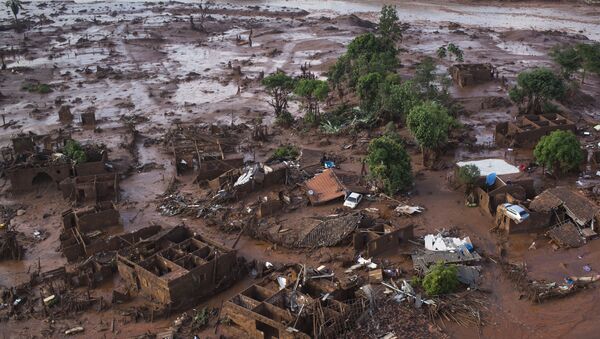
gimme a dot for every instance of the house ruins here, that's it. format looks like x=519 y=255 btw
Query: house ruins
x=527 y=130
x=176 y=268
x=296 y=303
x=471 y=74
x=207 y=154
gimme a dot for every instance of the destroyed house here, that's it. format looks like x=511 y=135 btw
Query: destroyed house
x=282 y=307
x=37 y=160
x=526 y=131
x=202 y=153
x=324 y=187
x=76 y=245
x=91 y=218
x=381 y=238
x=471 y=74
x=250 y=178
x=177 y=268
x=562 y=203
x=91 y=189
x=509 y=184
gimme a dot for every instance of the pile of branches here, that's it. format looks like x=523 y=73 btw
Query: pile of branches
x=10 y=248
x=401 y=319
x=464 y=308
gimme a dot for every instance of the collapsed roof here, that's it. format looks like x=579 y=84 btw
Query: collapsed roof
x=579 y=208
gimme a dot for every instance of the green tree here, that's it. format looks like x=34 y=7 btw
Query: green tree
x=468 y=176
x=568 y=58
x=537 y=87
x=396 y=99
x=456 y=51
x=441 y=279
x=75 y=152
x=590 y=55
x=15 y=6
x=389 y=164
x=367 y=53
x=279 y=86
x=312 y=92
x=389 y=26
x=368 y=91
x=560 y=151
x=429 y=123
x=442 y=52
x=425 y=77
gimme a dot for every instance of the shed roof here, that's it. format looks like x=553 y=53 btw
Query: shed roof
x=487 y=166
x=324 y=187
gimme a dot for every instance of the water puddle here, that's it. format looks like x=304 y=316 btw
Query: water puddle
x=202 y=92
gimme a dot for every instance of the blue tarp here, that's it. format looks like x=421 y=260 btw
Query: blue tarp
x=490 y=180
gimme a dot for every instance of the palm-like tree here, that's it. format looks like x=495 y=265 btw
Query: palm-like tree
x=15 y=6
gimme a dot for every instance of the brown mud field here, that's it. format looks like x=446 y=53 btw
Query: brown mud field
x=143 y=68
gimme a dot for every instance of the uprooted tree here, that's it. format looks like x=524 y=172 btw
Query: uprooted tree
x=429 y=123
x=536 y=88
x=279 y=86
x=560 y=151
x=389 y=164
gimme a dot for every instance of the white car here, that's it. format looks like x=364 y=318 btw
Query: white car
x=352 y=200
x=515 y=212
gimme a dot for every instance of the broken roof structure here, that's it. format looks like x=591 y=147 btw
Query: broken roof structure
x=324 y=187
x=577 y=207
x=488 y=166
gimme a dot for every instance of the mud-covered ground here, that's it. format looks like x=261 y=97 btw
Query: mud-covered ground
x=141 y=64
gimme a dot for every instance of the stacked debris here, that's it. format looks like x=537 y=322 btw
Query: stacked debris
x=10 y=248
x=452 y=251
x=332 y=231
x=541 y=291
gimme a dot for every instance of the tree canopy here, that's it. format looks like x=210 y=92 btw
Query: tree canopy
x=537 y=87
x=312 y=92
x=582 y=57
x=429 y=123
x=389 y=164
x=279 y=86
x=389 y=26
x=559 y=151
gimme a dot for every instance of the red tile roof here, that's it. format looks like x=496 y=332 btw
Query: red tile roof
x=324 y=187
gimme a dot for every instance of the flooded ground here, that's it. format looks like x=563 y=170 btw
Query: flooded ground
x=141 y=61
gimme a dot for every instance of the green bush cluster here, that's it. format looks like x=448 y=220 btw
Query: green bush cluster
x=285 y=152
x=75 y=152
x=441 y=279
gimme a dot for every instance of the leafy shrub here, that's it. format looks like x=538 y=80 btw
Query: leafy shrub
x=285 y=152
x=74 y=151
x=36 y=88
x=441 y=279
